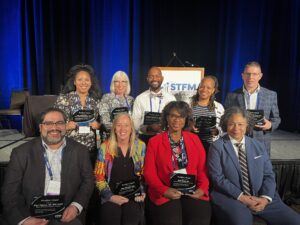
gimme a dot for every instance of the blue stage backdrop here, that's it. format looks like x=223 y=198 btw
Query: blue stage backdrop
x=41 y=39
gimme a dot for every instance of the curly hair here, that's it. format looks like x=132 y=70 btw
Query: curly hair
x=236 y=110
x=211 y=105
x=182 y=108
x=94 y=91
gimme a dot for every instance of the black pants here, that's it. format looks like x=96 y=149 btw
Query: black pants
x=184 y=211
x=130 y=213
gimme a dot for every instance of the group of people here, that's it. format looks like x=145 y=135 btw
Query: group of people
x=154 y=153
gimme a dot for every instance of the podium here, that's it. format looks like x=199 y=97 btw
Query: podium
x=182 y=82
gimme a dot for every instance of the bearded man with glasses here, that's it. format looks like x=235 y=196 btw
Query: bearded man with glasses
x=51 y=173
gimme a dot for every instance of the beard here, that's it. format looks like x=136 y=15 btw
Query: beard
x=53 y=140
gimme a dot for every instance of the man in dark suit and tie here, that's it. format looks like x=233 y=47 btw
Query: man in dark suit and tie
x=242 y=179
x=254 y=97
x=48 y=165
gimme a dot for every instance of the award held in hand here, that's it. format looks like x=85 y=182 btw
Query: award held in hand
x=152 y=118
x=83 y=118
x=116 y=111
x=205 y=122
x=48 y=207
x=128 y=189
x=185 y=183
x=258 y=116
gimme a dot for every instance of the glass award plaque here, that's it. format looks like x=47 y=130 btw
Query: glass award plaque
x=258 y=116
x=48 y=207
x=205 y=122
x=83 y=117
x=128 y=189
x=185 y=183
x=116 y=111
x=151 y=118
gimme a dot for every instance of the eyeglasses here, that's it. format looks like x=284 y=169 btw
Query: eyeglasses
x=51 y=124
x=123 y=82
x=174 y=117
x=253 y=74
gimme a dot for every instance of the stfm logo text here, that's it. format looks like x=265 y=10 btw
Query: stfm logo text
x=180 y=87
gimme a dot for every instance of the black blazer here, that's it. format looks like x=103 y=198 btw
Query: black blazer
x=25 y=177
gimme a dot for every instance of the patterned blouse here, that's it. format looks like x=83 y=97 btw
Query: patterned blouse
x=109 y=102
x=70 y=103
x=104 y=165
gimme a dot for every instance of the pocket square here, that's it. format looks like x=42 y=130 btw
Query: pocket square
x=256 y=157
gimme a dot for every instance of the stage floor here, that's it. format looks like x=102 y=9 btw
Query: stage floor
x=284 y=146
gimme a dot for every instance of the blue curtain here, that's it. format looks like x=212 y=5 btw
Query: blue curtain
x=41 y=39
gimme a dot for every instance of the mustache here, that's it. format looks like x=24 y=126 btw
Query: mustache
x=50 y=131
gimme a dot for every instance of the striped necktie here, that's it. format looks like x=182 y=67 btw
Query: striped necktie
x=244 y=168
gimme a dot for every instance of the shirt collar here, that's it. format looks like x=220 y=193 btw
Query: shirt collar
x=233 y=141
x=156 y=94
x=255 y=92
x=47 y=148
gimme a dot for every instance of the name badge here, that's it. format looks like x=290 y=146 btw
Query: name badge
x=53 y=188
x=181 y=171
x=84 y=130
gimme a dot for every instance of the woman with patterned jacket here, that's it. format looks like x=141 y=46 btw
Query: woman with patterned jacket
x=79 y=100
x=120 y=165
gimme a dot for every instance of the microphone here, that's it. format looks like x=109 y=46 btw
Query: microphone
x=189 y=63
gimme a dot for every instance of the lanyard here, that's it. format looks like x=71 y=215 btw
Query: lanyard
x=158 y=105
x=128 y=106
x=48 y=165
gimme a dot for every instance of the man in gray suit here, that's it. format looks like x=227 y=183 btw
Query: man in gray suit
x=254 y=97
x=48 y=165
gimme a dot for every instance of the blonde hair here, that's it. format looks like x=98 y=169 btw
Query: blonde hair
x=123 y=75
x=113 y=141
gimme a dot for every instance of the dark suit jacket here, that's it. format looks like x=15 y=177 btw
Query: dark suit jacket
x=25 y=177
x=225 y=172
x=267 y=102
x=158 y=165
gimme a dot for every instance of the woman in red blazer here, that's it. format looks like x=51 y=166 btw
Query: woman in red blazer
x=176 y=152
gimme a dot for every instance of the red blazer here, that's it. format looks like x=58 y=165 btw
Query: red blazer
x=158 y=165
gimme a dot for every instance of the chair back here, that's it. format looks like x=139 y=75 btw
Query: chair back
x=17 y=99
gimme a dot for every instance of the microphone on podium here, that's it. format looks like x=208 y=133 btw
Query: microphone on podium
x=190 y=64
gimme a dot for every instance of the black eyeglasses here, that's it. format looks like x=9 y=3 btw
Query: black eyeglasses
x=51 y=124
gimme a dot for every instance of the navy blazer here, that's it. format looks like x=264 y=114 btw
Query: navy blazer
x=267 y=102
x=225 y=172
x=25 y=177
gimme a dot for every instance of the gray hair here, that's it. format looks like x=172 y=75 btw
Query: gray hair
x=253 y=63
x=120 y=74
x=236 y=110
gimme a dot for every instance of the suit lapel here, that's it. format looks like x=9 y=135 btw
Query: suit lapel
x=230 y=151
x=261 y=99
x=250 y=157
x=66 y=158
x=168 y=151
x=241 y=99
x=40 y=162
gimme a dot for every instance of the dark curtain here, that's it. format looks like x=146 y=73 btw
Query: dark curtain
x=41 y=39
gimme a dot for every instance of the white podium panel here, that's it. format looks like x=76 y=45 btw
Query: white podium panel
x=182 y=81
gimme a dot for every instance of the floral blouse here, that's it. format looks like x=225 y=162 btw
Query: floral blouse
x=109 y=102
x=104 y=164
x=70 y=103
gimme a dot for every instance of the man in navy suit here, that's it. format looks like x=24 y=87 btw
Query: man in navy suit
x=48 y=165
x=233 y=203
x=254 y=97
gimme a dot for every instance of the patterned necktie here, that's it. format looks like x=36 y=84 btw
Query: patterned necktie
x=244 y=168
